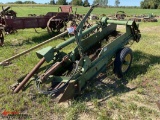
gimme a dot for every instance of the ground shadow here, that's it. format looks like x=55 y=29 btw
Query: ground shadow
x=141 y=63
x=43 y=36
x=104 y=87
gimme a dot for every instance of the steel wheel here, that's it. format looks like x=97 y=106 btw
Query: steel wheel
x=122 y=62
x=49 y=29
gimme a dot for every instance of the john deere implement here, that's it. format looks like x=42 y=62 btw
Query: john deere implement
x=68 y=72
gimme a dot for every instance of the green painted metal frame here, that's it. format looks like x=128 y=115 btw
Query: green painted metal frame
x=90 y=69
x=87 y=68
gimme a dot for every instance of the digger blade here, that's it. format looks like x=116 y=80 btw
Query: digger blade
x=69 y=92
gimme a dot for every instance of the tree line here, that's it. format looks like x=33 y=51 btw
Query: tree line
x=20 y=2
x=84 y=3
x=145 y=4
x=150 y=4
x=58 y=2
x=73 y=2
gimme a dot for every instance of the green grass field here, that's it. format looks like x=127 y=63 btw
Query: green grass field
x=133 y=97
x=24 y=10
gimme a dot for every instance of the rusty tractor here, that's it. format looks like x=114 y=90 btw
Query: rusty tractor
x=54 y=21
x=120 y=15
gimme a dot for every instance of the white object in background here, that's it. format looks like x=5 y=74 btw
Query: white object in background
x=70 y=30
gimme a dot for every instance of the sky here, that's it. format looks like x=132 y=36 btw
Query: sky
x=110 y=2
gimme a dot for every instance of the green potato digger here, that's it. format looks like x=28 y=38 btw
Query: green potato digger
x=67 y=73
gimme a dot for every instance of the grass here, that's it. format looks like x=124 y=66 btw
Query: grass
x=24 y=10
x=133 y=97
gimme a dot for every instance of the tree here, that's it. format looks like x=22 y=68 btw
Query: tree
x=150 y=4
x=52 y=2
x=86 y=3
x=101 y=2
x=95 y=2
x=61 y=2
x=28 y=2
x=77 y=2
x=104 y=2
x=18 y=2
x=117 y=2
x=10 y=3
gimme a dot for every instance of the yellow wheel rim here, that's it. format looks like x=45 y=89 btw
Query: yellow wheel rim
x=126 y=63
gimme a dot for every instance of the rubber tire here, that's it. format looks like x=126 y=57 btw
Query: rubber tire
x=119 y=60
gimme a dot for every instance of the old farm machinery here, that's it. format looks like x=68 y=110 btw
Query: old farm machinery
x=54 y=21
x=120 y=15
x=144 y=18
x=67 y=73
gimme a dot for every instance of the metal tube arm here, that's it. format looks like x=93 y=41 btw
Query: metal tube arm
x=78 y=31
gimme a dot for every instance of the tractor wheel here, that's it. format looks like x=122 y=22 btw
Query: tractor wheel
x=122 y=62
x=49 y=29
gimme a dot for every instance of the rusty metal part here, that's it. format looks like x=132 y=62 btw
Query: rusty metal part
x=120 y=15
x=144 y=18
x=53 y=69
x=48 y=25
x=55 y=23
x=52 y=20
x=69 y=92
x=66 y=8
x=1 y=38
x=4 y=9
x=58 y=88
x=25 y=80
x=31 y=21
x=58 y=21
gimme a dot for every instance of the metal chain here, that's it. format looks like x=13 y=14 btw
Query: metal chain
x=38 y=83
